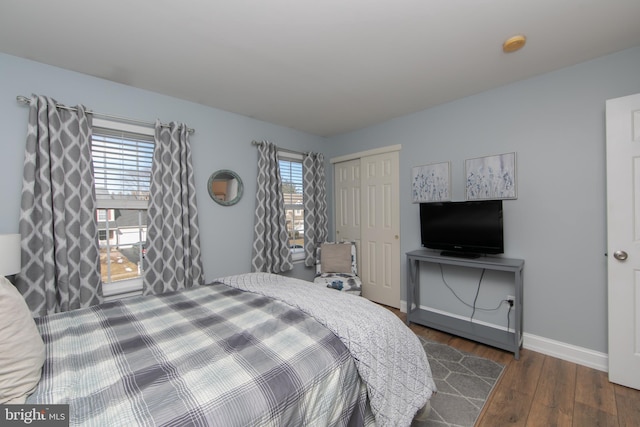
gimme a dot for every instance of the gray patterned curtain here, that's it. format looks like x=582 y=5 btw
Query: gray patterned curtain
x=173 y=259
x=58 y=226
x=271 y=252
x=315 y=205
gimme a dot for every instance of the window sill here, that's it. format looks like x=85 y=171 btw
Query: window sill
x=121 y=289
x=297 y=255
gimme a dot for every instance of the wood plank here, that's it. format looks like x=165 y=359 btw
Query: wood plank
x=554 y=398
x=523 y=374
x=464 y=344
x=593 y=389
x=628 y=406
x=497 y=355
x=543 y=416
x=430 y=334
x=506 y=407
x=586 y=415
x=557 y=385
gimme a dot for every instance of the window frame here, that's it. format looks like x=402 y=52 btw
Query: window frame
x=297 y=254
x=126 y=287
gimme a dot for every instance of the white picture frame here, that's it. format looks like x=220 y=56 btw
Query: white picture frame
x=431 y=183
x=491 y=177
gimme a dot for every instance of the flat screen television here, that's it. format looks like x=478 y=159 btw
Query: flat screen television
x=465 y=229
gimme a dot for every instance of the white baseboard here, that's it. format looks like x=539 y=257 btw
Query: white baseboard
x=569 y=352
x=561 y=350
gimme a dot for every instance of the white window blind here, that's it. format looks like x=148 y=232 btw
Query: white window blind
x=122 y=168
x=291 y=175
x=292 y=187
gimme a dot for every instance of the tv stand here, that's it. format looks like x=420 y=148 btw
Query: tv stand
x=455 y=254
x=510 y=340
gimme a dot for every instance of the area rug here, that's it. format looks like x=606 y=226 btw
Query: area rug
x=464 y=383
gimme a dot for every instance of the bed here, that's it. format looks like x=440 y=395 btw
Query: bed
x=252 y=349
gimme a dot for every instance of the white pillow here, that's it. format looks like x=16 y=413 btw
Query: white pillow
x=21 y=347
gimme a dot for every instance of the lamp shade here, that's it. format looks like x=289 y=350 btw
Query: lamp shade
x=9 y=254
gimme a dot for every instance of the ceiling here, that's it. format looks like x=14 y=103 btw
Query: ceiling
x=323 y=67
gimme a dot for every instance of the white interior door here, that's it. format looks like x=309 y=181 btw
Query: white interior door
x=346 y=178
x=623 y=234
x=380 y=228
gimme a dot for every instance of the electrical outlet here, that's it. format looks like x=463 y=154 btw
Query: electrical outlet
x=512 y=299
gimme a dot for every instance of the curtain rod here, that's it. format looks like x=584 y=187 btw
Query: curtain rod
x=27 y=101
x=286 y=150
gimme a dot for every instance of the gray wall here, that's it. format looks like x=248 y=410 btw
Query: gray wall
x=556 y=124
x=221 y=141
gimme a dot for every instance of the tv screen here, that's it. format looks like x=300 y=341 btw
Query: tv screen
x=469 y=228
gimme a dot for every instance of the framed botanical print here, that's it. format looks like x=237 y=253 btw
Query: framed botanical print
x=491 y=177
x=431 y=183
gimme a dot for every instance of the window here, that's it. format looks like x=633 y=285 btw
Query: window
x=291 y=175
x=122 y=156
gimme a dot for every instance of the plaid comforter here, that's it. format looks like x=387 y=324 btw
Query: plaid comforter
x=389 y=357
x=206 y=356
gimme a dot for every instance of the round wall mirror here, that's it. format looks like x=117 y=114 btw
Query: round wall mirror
x=225 y=187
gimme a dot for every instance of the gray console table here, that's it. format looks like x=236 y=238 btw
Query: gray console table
x=507 y=340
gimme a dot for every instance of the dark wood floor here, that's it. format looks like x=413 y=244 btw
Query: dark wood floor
x=540 y=390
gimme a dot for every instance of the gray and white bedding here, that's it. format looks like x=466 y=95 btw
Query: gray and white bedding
x=206 y=356
x=389 y=357
x=231 y=354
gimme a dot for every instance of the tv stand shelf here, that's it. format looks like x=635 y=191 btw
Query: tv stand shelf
x=510 y=340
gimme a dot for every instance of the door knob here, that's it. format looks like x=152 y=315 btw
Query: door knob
x=620 y=255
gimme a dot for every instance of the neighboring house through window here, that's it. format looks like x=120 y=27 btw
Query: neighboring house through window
x=291 y=175
x=122 y=156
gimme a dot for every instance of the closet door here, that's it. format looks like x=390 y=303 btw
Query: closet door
x=380 y=228
x=346 y=178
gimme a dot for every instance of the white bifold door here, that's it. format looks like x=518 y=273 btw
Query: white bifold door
x=368 y=212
